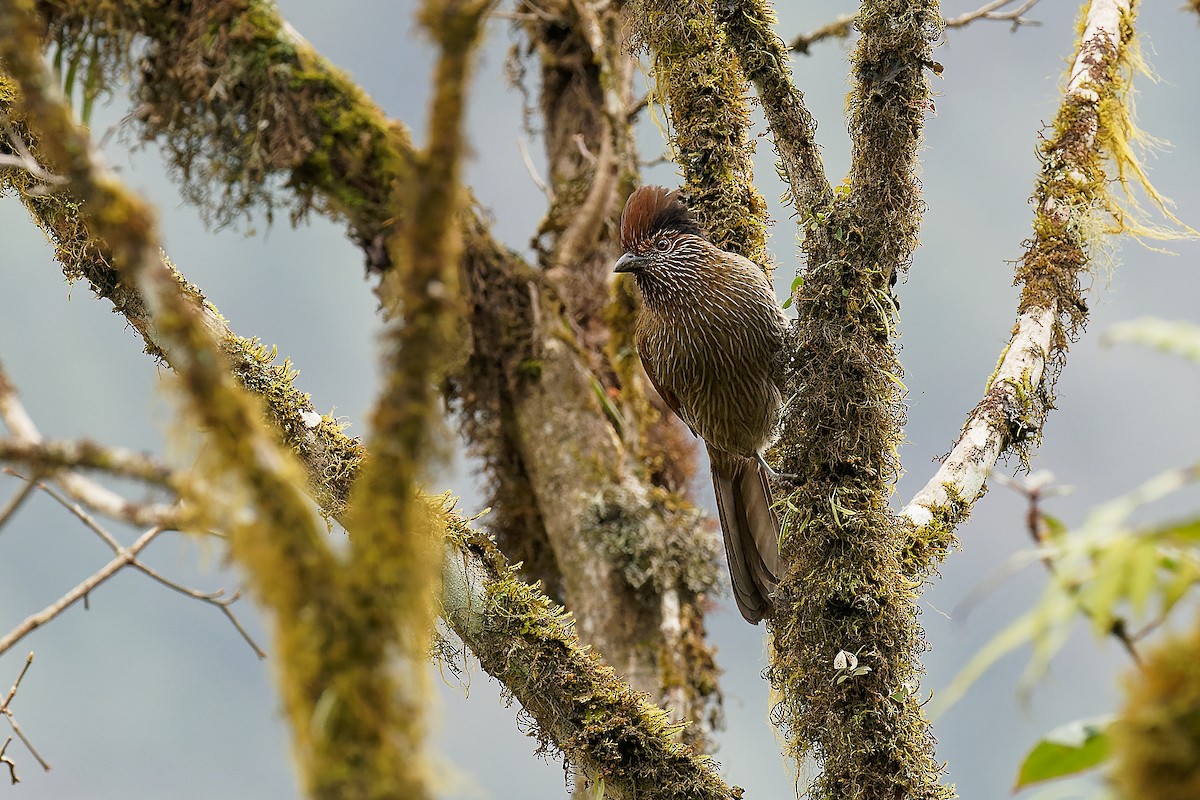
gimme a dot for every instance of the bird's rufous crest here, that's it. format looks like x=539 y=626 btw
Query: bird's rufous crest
x=652 y=210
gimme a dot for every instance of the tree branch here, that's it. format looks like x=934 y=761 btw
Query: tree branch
x=750 y=27
x=992 y=11
x=702 y=89
x=288 y=563
x=1071 y=187
x=124 y=558
x=887 y=109
x=396 y=550
x=842 y=27
x=839 y=28
x=216 y=598
x=47 y=456
x=582 y=708
x=83 y=490
x=846 y=588
x=12 y=721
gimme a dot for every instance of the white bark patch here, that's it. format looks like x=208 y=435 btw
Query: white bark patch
x=1103 y=24
x=966 y=468
x=464 y=589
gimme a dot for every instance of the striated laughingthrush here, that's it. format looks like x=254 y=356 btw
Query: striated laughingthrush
x=708 y=334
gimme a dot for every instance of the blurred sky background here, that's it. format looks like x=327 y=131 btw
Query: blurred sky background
x=148 y=694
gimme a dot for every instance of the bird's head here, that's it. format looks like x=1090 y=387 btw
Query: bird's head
x=658 y=234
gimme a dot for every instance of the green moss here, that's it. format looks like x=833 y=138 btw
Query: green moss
x=285 y=117
x=697 y=80
x=750 y=28
x=325 y=443
x=852 y=580
x=927 y=546
x=1086 y=152
x=1156 y=739
x=581 y=708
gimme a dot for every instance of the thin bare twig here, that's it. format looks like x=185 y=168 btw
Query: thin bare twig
x=124 y=558
x=12 y=692
x=16 y=502
x=837 y=29
x=4 y=759
x=216 y=598
x=83 y=490
x=992 y=11
x=12 y=721
x=841 y=27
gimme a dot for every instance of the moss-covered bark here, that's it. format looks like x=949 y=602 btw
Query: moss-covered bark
x=283 y=116
x=1156 y=738
x=1073 y=206
x=338 y=626
x=643 y=608
x=295 y=413
x=696 y=78
x=749 y=25
x=625 y=747
x=847 y=587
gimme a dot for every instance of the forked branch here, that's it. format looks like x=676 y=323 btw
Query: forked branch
x=6 y=710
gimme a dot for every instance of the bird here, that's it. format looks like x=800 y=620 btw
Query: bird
x=708 y=333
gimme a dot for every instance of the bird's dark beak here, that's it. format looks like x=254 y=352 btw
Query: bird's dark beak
x=628 y=263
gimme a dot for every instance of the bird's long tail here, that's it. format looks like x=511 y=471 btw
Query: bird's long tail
x=751 y=531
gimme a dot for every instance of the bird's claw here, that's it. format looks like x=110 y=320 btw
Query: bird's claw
x=772 y=474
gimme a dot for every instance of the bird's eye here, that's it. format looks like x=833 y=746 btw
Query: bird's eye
x=663 y=244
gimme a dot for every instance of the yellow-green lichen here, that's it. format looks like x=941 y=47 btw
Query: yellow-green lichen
x=581 y=708
x=697 y=80
x=1156 y=738
x=851 y=584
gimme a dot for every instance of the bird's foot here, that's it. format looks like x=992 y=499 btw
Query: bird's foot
x=772 y=474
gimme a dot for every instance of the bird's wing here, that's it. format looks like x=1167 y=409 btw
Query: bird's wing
x=669 y=397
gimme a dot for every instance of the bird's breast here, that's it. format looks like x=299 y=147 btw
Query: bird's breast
x=716 y=355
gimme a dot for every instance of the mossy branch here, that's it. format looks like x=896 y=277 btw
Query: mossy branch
x=280 y=546
x=847 y=591
x=750 y=28
x=887 y=109
x=395 y=548
x=283 y=116
x=618 y=739
x=1070 y=199
x=318 y=442
x=698 y=82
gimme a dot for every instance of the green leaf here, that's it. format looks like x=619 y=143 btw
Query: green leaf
x=797 y=282
x=1067 y=750
x=1141 y=576
x=1106 y=586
